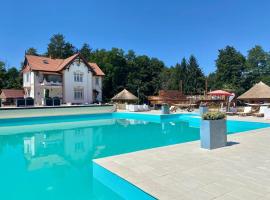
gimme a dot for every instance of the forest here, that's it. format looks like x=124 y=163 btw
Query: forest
x=144 y=75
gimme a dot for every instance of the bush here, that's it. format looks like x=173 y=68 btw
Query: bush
x=213 y=116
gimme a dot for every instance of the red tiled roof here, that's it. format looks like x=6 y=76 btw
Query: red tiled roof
x=97 y=70
x=40 y=63
x=11 y=93
x=66 y=62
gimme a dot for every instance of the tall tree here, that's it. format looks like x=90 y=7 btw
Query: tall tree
x=230 y=66
x=212 y=81
x=85 y=51
x=179 y=74
x=167 y=78
x=59 y=48
x=258 y=67
x=13 y=78
x=2 y=75
x=31 y=51
x=196 y=79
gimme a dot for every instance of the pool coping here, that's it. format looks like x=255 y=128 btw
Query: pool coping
x=52 y=107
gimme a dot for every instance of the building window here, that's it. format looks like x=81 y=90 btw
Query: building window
x=78 y=93
x=27 y=77
x=97 y=81
x=78 y=77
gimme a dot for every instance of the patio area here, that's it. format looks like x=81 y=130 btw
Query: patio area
x=185 y=171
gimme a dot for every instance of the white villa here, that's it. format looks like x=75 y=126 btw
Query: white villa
x=73 y=80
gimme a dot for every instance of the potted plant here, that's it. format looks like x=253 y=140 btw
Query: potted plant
x=203 y=108
x=213 y=131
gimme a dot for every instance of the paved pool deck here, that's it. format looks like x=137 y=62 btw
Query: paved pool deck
x=185 y=171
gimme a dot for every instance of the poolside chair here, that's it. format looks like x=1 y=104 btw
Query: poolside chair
x=146 y=107
x=133 y=108
x=140 y=108
x=247 y=111
x=173 y=108
x=261 y=111
x=127 y=106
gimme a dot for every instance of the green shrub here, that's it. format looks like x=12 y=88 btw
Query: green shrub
x=213 y=116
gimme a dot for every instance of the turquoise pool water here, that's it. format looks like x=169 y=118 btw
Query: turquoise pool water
x=49 y=158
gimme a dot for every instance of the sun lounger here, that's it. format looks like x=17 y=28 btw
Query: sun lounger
x=261 y=111
x=247 y=111
x=146 y=107
x=133 y=108
x=127 y=107
x=140 y=108
x=173 y=108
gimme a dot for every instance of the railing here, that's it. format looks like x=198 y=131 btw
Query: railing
x=51 y=83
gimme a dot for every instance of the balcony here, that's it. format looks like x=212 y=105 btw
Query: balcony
x=51 y=80
x=51 y=83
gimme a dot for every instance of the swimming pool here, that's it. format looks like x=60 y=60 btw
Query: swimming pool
x=51 y=157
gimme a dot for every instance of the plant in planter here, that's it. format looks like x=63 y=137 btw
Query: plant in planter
x=203 y=108
x=213 y=131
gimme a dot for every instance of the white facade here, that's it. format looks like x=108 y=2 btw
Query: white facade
x=74 y=85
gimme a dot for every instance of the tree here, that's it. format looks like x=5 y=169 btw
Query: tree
x=144 y=76
x=167 y=78
x=59 y=48
x=212 y=81
x=179 y=73
x=257 y=58
x=31 y=51
x=2 y=75
x=196 y=78
x=13 y=79
x=230 y=66
x=85 y=51
x=258 y=67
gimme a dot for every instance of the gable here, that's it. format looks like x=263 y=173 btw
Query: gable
x=75 y=58
x=77 y=66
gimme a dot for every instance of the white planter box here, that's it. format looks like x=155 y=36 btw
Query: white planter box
x=213 y=134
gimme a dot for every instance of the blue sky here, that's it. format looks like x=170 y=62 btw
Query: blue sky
x=168 y=30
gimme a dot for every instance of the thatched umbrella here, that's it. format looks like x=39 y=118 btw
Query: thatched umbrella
x=125 y=96
x=259 y=92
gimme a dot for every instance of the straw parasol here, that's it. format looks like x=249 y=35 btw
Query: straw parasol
x=125 y=96
x=259 y=92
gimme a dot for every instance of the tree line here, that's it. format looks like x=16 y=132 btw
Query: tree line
x=145 y=76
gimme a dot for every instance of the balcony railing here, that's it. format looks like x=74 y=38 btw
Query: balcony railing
x=51 y=83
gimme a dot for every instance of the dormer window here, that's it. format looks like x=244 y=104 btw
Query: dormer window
x=78 y=77
x=45 y=61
